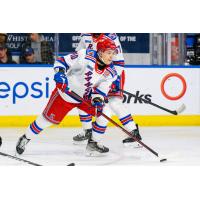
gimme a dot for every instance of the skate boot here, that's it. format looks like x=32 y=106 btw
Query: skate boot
x=95 y=149
x=22 y=142
x=82 y=138
x=0 y=141
x=130 y=141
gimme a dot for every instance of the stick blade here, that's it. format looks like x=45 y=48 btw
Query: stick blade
x=181 y=109
x=163 y=160
x=71 y=164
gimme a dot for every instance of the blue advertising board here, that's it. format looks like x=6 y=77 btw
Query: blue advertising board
x=131 y=42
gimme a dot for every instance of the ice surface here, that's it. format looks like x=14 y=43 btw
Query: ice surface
x=180 y=145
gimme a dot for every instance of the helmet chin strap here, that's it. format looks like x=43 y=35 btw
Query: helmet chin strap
x=100 y=61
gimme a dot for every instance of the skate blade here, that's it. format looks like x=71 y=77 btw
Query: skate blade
x=132 y=145
x=80 y=143
x=94 y=154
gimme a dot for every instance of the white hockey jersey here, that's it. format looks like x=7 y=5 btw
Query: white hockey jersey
x=84 y=78
x=88 y=42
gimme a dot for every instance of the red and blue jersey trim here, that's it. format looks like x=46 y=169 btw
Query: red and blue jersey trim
x=97 y=91
x=112 y=70
x=62 y=61
x=90 y=58
x=120 y=63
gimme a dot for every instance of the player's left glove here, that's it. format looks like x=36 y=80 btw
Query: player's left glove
x=61 y=81
x=99 y=104
x=115 y=85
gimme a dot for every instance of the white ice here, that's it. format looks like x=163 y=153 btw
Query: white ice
x=180 y=145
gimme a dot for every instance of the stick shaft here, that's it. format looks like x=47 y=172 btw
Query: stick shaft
x=117 y=125
x=151 y=103
x=19 y=159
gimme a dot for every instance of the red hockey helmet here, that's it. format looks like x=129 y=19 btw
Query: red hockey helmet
x=105 y=44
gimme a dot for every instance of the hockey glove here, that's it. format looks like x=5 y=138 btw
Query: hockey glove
x=116 y=85
x=61 y=81
x=98 y=103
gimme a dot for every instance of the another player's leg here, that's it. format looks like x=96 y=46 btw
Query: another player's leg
x=54 y=113
x=126 y=119
x=0 y=141
x=86 y=120
x=34 y=129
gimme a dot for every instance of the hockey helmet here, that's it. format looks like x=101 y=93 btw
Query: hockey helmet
x=105 y=44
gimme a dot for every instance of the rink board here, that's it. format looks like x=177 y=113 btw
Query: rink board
x=24 y=92
x=73 y=120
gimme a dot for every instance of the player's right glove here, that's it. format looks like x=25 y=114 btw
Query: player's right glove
x=99 y=104
x=61 y=81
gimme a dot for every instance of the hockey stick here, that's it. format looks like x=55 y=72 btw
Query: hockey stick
x=174 y=112
x=26 y=161
x=19 y=159
x=116 y=124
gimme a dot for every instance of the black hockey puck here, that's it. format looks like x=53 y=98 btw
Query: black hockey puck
x=163 y=160
x=71 y=164
x=0 y=141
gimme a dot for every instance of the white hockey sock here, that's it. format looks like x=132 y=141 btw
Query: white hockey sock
x=97 y=136
x=122 y=112
x=36 y=127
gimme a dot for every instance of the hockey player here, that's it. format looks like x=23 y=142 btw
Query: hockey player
x=88 y=73
x=115 y=96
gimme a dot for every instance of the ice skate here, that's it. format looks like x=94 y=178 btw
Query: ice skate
x=22 y=142
x=130 y=141
x=82 y=138
x=95 y=149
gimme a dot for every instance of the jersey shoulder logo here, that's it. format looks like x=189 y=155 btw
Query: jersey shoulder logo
x=91 y=55
x=91 y=52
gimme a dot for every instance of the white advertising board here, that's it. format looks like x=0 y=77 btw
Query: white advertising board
x=169 y=88
x=25 y=90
